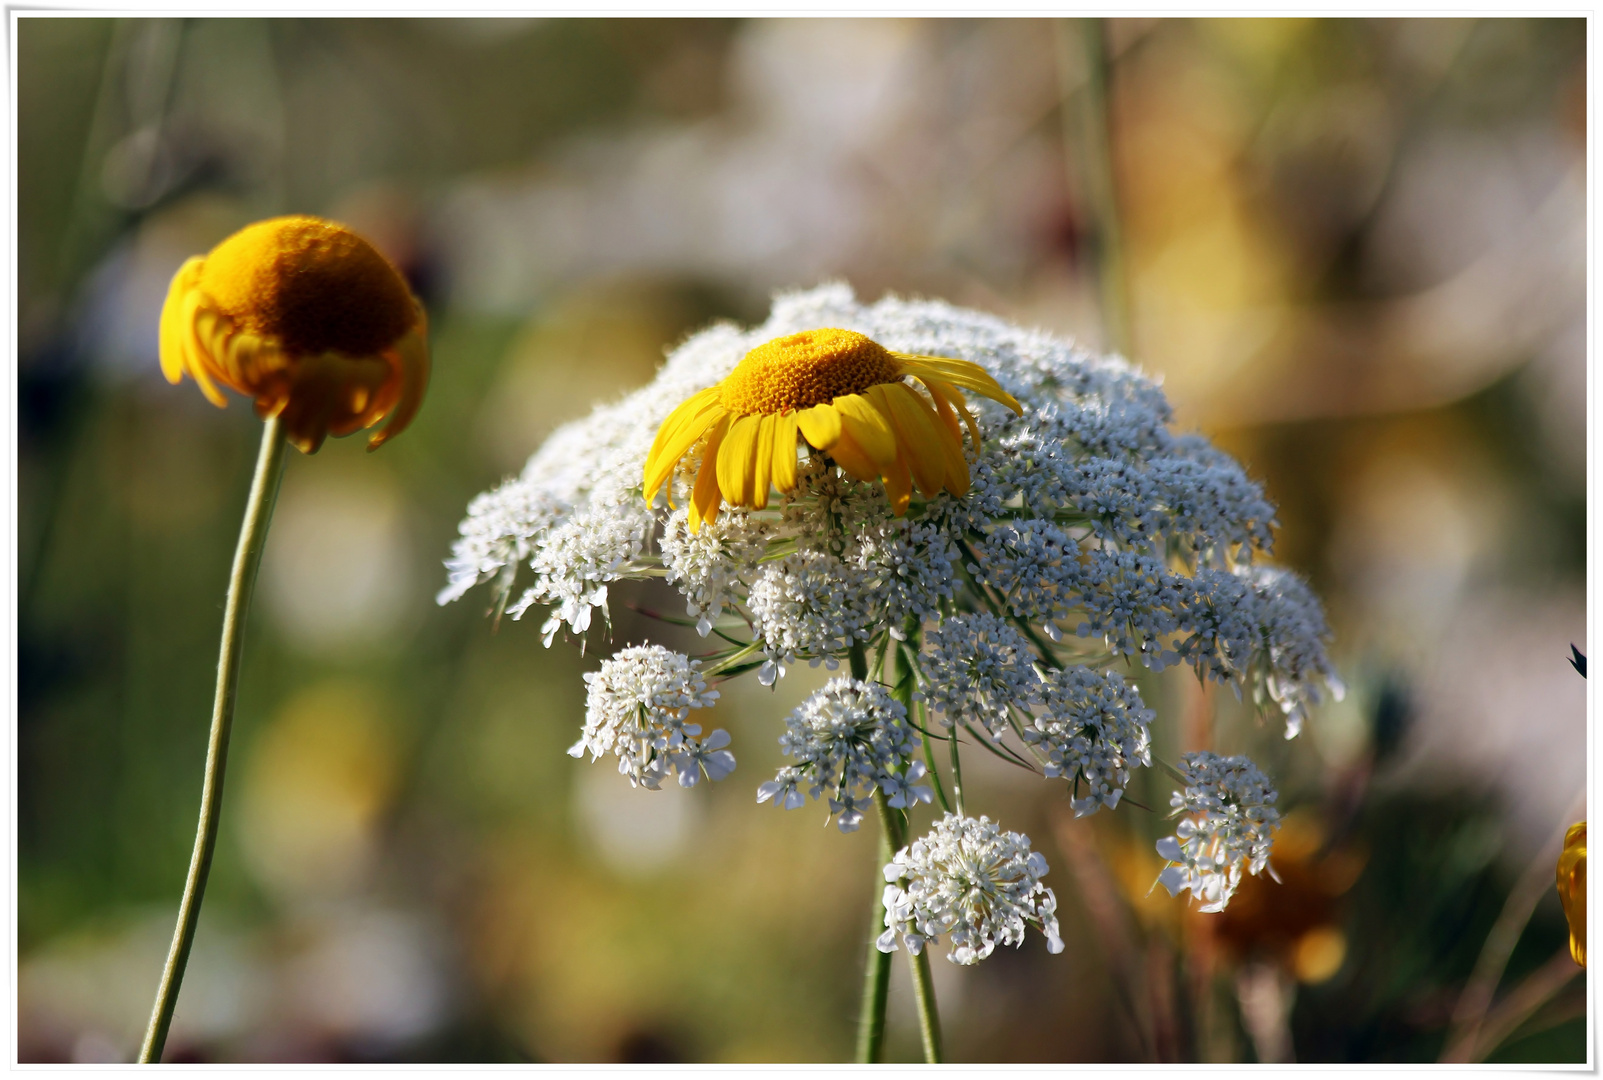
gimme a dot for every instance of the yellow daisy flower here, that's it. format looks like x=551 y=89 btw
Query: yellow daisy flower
x=847 y=397
x=307 y=318
x=1572 y=888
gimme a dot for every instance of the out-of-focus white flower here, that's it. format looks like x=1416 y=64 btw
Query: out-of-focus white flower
x=970 y=880
x=1227 y=822
x=847 y=739
x=1094 y=730
x=636 y=708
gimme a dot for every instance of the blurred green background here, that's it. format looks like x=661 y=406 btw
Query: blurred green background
x=1355 y=251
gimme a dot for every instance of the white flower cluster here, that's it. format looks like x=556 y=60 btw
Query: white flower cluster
x=1090 y=533
x=712 y=566
x=1229 y=826
x=847 y=739
x=977 y=669
x=972 y=881
x=1086 y=516
x=636 y=707
x=1094 y=730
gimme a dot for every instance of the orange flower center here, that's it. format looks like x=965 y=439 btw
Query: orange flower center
x=314 y=286
x=809 y=368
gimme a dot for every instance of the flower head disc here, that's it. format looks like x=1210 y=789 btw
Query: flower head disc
x=1572 y=888
x=847 y=397
x=307 y=318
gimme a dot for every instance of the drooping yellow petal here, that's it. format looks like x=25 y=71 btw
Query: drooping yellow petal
x=198 y=345
x=918 y=433
x=957 y=478
x=868 y=427
x=849 y=456
x=785 y=451
x=960 y=373
x=735 y=460
x=704 y=497
x=898 y=486
x=959 y=402
x=412 y=353
x=762 y=462
x=820 y=425
x=678 y=433
x=172 y=322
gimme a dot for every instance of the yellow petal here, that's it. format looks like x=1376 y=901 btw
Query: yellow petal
x=785 y=451
x=957 y=478
x=849 y=456
x=197 y=322
x=868 y=427
x=412 y=353
x=172 y=357
x=735 y=460
x=940 y=389
x=762 y=462
x=686 y=424
x=704 y=498
x=918 y=433
x=898 y=486
x=959 y=373
x=820 y=425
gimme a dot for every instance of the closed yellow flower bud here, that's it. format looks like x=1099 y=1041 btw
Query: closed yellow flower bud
x=308 y=319
x=1572 y=888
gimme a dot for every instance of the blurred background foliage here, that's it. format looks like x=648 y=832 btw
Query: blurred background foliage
x=1354 y=250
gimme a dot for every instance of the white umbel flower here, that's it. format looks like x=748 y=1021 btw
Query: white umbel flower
x=971 y=881
x=1093 y=728
x=977 y=668
x=637 y=708
x=1227 y=824
x=848 y=739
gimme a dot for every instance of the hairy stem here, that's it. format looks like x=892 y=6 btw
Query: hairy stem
x=929 y=1021
x=247 y=558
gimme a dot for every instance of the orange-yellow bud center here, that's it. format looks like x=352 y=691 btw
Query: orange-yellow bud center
x=313 y=285
x=805 y=369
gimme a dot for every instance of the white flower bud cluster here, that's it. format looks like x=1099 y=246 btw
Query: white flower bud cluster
x=1094 y=729
x=848 y=739
x=711 y=567
x=500 y=531
x=1227 y=826
x=969 y=880
x=976 y=669
x=1034 y=567
x=637 y=707
x=810 y=604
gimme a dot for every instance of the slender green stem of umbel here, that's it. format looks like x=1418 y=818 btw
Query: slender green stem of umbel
x=876 y=979
x=247 y=558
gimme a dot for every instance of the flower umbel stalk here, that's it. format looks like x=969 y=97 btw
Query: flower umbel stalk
x=241 y=583
x=877 y=976
x=876 y=980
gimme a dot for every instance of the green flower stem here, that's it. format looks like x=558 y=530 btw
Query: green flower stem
x=957 y=773
x=877 y=976
x=929 y=1021
x=247 y=558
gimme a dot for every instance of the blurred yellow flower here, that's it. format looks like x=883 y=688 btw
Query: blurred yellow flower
x=846 y=396
x=308 y=319
x=1572 y=888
